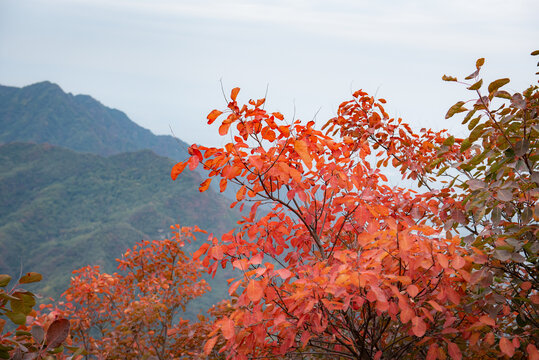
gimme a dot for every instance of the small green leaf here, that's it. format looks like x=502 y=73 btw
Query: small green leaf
x=495 y=85
x=477 y=85
x=503 y=94
x=4 y=280
x=38 y=334
x=458 y=107
x=476 y=133
x=474 y=122
x=465 y=145
x=468 y=116
x=496 y=216
x=527 y=215
x=16 y=318
x=449 y=141
x=30 y=277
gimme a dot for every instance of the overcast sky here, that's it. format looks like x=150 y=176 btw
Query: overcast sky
x=161 y=61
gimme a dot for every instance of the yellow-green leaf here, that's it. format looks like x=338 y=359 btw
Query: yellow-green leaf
x=458 y=107
x=495 y=85
x=479 y=63
x=476 y=86
x=449 y=78
x=30 y=277
x=4 y=280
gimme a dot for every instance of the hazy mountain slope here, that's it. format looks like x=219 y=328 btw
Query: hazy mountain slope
x=61 y=210
x=44 y=113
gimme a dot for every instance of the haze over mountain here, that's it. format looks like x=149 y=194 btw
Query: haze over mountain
x=77 y=189
x=44 y=113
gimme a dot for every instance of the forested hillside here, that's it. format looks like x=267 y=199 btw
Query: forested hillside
x=61 y=210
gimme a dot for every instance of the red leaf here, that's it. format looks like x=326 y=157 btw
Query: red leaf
x=412 y=290
x=419 y=327
x=487 y=320
x=284 y=273
x=57 y=333
x=533 y=353
x=193 y=162
x=432 y=354
x=201 y=251
x=177 y=170
x=458 y=262
x=227 y=328
x=208 y=347
x=454 y=351
x=254 y=291
x=506 y=346
x=213 y=115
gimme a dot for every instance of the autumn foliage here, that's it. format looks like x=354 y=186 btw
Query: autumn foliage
x=136 y=313
x=341 y=264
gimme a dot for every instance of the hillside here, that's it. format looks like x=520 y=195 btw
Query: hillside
x=44 y=113
x=61 y=210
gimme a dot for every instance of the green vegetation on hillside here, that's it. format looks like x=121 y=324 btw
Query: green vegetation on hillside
x=61 y=210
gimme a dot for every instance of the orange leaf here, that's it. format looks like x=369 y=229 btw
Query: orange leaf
x=254 y=291
x=227 y=328
x=458 y=262
x=234 y=93
x=222 y=185
x=284 y=130
x=301 y=148
x=507 y=347
x=233 y=287
x=223 y=129
x=241 y=193
x=213 y=115
x=419 y=327
x=201 y=251
x=177 y=170
x=205 y=185
x=208 y=347
x=412 y=290
x=442 y=259
x=454 y=351
x=284 y=273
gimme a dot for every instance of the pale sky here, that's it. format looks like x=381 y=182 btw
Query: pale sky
x=161 y=61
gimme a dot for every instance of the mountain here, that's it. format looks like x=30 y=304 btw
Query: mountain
x=61 y=210
x=44 y=113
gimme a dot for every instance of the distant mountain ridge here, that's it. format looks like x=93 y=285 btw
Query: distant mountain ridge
x=44 y=113
x=78 y=188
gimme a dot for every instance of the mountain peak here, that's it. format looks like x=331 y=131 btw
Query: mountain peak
x=44 y=86
x=43 y=112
